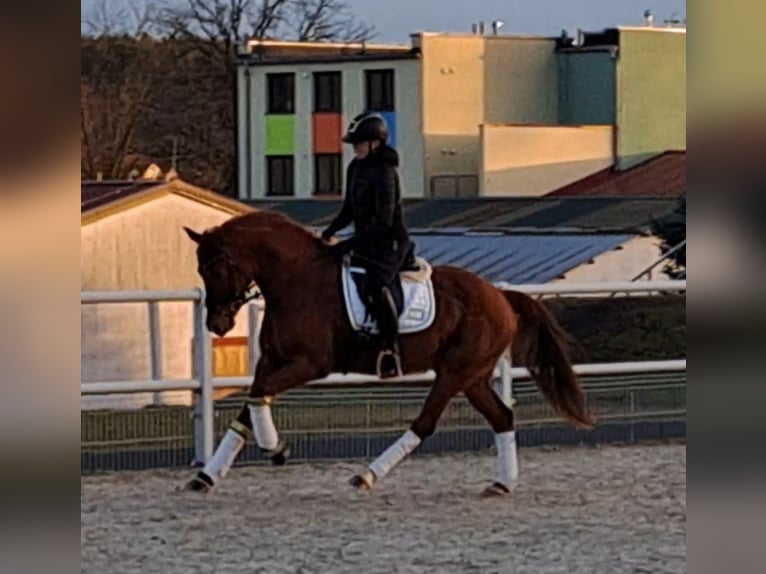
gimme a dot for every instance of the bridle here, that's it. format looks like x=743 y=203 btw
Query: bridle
x=249 y=293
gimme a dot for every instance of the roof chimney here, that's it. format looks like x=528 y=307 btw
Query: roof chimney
x=481 y=28
x=648 y=18
x=496 y=25
x=673 y=21
x=152 y=173
x=474 y=28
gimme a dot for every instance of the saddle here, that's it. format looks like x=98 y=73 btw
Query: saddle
x=413 y=269
x=412 y=291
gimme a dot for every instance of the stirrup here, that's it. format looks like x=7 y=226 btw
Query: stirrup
x=397 y=363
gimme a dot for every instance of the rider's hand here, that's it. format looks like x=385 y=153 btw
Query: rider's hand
x=326 y=235
x=341 y=248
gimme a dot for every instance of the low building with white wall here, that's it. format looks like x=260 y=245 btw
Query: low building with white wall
x=132 y=238
x=621 y=263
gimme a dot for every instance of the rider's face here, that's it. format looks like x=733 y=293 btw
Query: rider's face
x=363 y=149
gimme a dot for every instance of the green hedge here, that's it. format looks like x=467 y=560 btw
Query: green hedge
x=624 y=328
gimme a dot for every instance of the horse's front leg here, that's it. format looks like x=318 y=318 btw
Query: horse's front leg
x=262 y=394
x=255 y=417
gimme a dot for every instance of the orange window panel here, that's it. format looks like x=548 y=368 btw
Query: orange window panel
x=327 y=131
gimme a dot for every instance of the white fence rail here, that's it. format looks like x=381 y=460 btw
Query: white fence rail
x=615 y=287
x=517 y=373
x=203 y=383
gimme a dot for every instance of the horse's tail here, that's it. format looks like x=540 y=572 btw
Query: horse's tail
x=543 y=348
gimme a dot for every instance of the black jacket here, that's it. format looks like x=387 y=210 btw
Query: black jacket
x=372 y=203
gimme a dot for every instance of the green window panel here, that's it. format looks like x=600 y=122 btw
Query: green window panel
x=280 y=134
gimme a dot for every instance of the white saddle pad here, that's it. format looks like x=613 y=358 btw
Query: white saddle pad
x=419 y=304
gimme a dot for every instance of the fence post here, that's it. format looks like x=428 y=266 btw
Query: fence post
x=506 y=378
x=504 y=388
x=203 y=406
x=254 y=321
x=155 y=347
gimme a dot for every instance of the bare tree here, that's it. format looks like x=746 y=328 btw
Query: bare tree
x=223 y=24
x=160 y=81
x=119 y=67
x=218 y=26
x=108 y=18
x=115 y=90
x=319 y=20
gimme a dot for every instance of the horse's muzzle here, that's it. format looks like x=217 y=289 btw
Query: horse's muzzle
x=220 y=323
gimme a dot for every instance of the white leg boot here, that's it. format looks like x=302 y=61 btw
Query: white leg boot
x=507 y=464
x=392 y=456
x=263 y=426
x=265 y=432
x=220 y=463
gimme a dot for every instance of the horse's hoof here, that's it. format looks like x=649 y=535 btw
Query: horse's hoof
x=360 y=482
x=495 y=489
x=279 y=458
x=199 y=484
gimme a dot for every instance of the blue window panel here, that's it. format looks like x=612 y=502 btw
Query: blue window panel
x=390 y=118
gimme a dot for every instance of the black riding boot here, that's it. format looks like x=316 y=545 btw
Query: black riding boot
x=389 y=361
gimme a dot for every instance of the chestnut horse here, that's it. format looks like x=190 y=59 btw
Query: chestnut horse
x=306 y=335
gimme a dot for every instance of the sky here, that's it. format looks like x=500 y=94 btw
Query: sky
x=395 y=20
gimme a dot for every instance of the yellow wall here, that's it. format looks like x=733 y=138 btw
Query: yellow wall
x=651 y=94
x=453 y=103
x=535 y=160
x=520 y=80
x=471 y=80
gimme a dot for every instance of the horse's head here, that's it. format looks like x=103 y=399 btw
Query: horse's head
x=264 y=247
x=227 y=280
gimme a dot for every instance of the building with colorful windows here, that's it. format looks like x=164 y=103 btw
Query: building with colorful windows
x=296 y=99
x=471 y=115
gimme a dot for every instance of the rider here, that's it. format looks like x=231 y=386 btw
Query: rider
x=381 y=243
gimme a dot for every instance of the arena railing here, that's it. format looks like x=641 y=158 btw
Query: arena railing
x=203 y=384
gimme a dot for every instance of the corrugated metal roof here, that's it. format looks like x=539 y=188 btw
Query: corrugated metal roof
x=663 y=175
x=592 y=214
x=99 y=198
x=516 y=259
x=94 y=194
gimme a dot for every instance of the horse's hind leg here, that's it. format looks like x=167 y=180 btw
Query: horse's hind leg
x=443 y=389
x=500 y=417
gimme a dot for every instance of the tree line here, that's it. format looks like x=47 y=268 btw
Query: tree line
x=158 y=80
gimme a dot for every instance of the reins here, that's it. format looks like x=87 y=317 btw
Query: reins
x=250 y=292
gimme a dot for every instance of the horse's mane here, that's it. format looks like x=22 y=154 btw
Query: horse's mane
x=270 y=221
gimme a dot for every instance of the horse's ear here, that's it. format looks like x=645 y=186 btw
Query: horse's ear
x=193 y=235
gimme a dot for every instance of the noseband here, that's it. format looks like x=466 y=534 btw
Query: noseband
x=249 y=293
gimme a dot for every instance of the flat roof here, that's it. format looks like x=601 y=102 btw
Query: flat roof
x=287 y=60
x=272 y=52
x=324 y=46
x=671 y=29
x=463 y=35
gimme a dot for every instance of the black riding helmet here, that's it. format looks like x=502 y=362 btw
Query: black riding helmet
x=366 y=127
